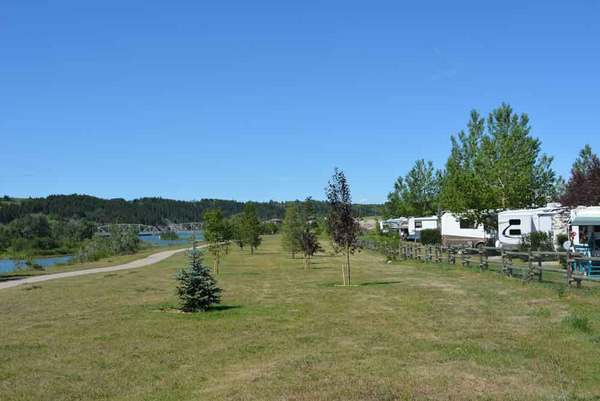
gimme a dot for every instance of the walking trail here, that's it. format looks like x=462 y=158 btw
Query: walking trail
x=150 y=260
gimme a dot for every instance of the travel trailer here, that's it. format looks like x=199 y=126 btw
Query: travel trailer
x=584 y=232
x=399 y=225
x=514 y=224
x=457 y=231
x=418 y=224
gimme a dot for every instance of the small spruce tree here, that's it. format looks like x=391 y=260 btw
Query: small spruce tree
x=197 y=288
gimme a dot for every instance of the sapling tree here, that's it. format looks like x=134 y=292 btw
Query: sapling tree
x=217 y=232
x=197 y=289
x=250 y=227
x=342 y=226
x=291 y=229
x=307 y=237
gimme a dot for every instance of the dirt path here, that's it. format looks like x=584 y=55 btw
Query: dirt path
x=149 y=260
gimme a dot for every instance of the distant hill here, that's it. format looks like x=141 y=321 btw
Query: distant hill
x=152 y=211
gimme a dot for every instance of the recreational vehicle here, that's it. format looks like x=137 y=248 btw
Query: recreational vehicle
x=457 y=231
x=514 y=224
x=399 y=225
x=418 y=224
x=584 y=232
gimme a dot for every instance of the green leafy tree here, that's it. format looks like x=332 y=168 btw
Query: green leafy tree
x=417 y=193
x=235 y=222
x=197 y=289
x=291 y=229
x=496 y=164
x=251 y=227
x=308 y=238
x=343 y=228
x=217 y=233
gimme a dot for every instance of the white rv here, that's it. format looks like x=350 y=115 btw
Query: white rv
x=514 y=224
x=399 y=225
x=418 y=224
x=584 y=232
x=457 y=231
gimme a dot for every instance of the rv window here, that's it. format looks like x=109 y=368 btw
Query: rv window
x=514 y=222
x=514 y=232
x=467 y=224
x=597 y=229
x=418 y=224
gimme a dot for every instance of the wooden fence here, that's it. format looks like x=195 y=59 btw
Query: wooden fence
x=529 y=266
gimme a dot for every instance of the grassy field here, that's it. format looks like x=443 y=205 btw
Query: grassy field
x=404 y=332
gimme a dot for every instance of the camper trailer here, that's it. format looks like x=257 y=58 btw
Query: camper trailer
x=418 y=224
x=399 y=225
x=584 y=232
x=457 y=231
x=514 y=224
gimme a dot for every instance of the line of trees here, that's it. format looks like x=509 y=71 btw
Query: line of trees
x=244 y=229
x=151 y=211
x=494 y=164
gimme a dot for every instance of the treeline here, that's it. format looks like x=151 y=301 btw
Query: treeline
x=151 y=211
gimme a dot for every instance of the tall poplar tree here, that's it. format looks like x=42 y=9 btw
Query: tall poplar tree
x=496 y=164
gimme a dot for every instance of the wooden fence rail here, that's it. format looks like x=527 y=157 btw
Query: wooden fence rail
x=503 y=261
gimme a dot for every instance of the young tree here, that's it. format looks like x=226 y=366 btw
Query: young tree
x=583 y=188
x=417 y=193
x=496 y=165
x=235 y=222
x=291 y=229
x=218 y=233
x=308 y=238
x=250 y=227
x=197 y=289
x=342 y=226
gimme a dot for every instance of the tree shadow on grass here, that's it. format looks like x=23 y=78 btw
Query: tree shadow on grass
x=221 y=308
x=13 y=277
x=372 y=283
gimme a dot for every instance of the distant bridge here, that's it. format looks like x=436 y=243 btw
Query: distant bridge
x=144 y=229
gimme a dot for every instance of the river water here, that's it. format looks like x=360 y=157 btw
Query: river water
x=10 y=265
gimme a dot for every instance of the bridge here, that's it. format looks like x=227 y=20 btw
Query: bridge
x=144 y=229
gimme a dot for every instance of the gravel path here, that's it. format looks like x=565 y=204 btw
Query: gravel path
x=150 y=260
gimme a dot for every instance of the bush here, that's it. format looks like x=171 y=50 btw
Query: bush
x=537 y=241
x=431 y=237
x=197 y=288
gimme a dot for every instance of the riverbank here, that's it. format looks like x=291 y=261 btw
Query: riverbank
x=105 y=262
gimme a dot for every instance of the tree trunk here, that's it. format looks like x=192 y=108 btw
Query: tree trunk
x=348 y=262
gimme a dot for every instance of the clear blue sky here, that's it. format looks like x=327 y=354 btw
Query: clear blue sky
x=261 y=99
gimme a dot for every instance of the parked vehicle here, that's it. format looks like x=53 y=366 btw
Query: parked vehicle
x=399 y=225
x=418 y=224
x=514 y=224
x=461 y=232
x=584 y=232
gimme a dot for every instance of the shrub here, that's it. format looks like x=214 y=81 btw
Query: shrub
x=197 y=289
x=537 y=241
x=431 y=237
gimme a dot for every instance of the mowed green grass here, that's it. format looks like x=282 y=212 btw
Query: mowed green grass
x=283 y=333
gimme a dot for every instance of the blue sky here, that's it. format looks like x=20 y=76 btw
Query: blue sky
x=261 y=99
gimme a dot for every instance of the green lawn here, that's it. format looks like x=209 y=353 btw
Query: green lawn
x=283 y=333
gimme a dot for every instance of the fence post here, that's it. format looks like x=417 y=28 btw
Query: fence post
x=540 y=268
